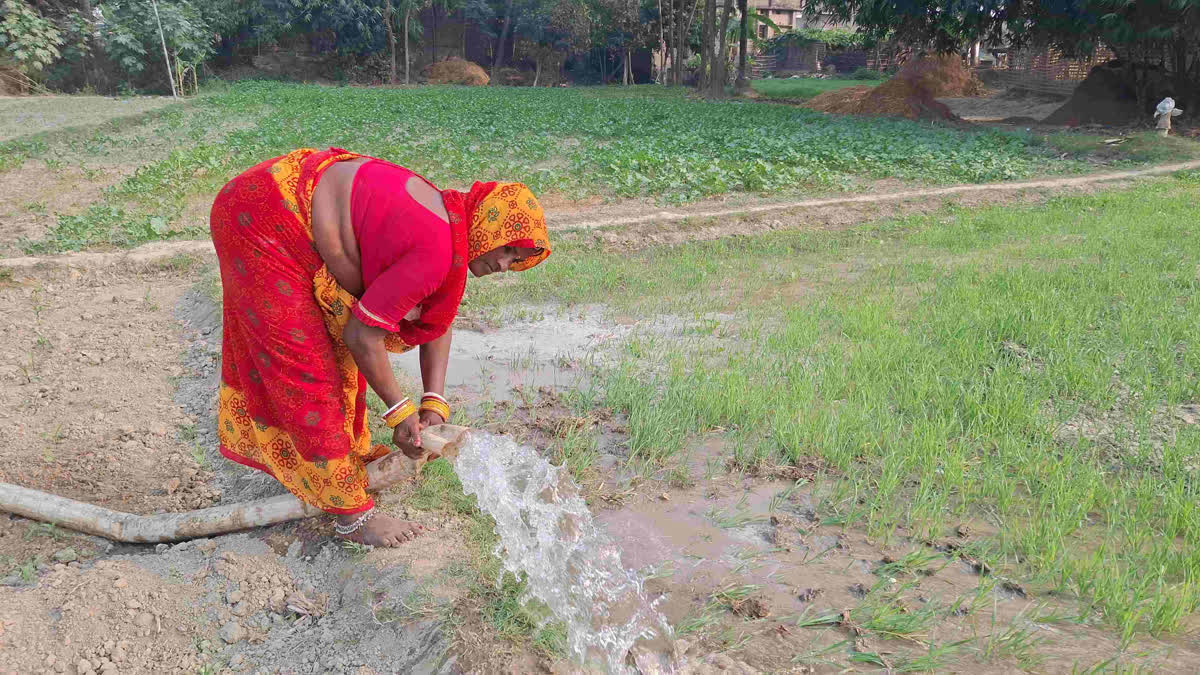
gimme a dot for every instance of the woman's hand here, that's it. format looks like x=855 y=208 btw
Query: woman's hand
x=407 y=437
x=430 y=419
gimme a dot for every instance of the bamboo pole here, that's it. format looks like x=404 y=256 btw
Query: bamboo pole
x=163 y=38
x=439 y=441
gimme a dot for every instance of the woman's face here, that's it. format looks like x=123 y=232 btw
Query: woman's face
x=498 y=260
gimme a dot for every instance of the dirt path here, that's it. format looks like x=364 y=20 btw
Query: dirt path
x=840 y=210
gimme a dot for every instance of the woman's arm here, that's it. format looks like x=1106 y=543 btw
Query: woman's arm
x=435 y=357
x=366 y=345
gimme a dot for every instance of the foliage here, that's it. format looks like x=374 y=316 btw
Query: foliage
x=1143 y=30
x=834 y=38
x=130 y=34
x=867 y=74
x=27 y=37
x=648 y=141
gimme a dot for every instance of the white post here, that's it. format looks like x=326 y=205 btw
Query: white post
x=163 y=38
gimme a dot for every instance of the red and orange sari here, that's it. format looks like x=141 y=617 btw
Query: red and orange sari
x=292 y=402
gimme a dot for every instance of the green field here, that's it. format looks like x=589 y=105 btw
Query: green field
x=1022 y=365
x=644 y=142
x=804 y=88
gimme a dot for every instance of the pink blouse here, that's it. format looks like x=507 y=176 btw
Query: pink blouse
x=405 y=249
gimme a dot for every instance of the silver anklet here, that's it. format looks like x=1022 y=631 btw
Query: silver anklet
x=347 y=530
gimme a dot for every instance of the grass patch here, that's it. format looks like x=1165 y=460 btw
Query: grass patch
x=804 y=88
x=964 y=370
x=1142 y=147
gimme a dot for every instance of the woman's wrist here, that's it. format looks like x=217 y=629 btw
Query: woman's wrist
x=400 y=411
x=434 y=402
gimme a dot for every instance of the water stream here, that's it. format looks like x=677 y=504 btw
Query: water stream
x=571 y=566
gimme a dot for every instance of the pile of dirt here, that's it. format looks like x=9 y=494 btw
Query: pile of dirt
x=456 y=71
x=847 y=101
x=1108 y=95
x=912 y=93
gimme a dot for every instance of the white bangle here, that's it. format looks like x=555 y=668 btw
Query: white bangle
x=396 y=407
x=430 y=394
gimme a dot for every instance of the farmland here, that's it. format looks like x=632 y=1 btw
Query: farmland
x=652 y=144
x=942 y=434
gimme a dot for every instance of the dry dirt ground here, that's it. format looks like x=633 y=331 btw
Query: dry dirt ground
x=1004 y=104
x=106 y=391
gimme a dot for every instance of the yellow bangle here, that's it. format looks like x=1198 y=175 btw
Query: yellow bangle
x=398 y=413
x=436 y=405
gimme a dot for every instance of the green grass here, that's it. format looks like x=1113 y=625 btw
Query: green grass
x=1143 y=147
x=804 y=88
x=904 y=376
x=649 y=142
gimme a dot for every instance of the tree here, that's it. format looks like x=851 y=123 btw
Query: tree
x=499 y=49
x=742 y=84
x=628 y=28
x=1148 y=32
x=410 y=30
x=549 y=29
x=28 y=38
x=721 y=56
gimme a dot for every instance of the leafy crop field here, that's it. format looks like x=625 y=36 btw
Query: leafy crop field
x=644 y=142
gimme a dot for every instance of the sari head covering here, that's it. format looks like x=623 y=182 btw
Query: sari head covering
x=507 y=214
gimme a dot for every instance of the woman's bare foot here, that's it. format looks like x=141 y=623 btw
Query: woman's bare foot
x=381 y=530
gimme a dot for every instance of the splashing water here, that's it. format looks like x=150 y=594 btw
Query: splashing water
x=547 y=533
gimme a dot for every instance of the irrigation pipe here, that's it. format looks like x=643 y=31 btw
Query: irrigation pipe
x=166 y=527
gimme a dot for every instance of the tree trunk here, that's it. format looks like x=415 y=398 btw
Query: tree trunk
x=662 y=45
x=434 y=36
x=721 y=62
x=628 y=66
x=537 y=72
x=1182 y=76
x=687 y=28
x=680 y=41
x=499 y=60
x=407 y=60
x=742 y=83
x=706 y=44
x=391 y=33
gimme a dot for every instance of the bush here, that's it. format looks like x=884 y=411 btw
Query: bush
x=28 y=38
x=867 y=74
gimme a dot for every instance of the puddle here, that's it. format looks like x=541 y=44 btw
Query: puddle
x=549 y=352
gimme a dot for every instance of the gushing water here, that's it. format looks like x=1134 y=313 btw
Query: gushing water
x=547 y=533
